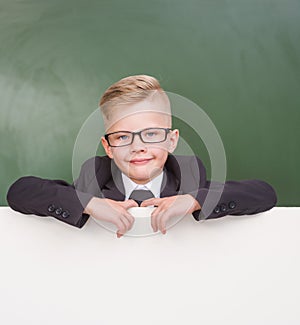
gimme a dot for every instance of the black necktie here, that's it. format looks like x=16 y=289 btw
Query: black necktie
x=141 y=195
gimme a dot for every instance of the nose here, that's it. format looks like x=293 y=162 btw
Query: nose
x=138 y=144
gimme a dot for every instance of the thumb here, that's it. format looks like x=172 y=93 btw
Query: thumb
x=152 y=201
x=129 y=204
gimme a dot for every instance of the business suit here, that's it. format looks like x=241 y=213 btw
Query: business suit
x=99 y=176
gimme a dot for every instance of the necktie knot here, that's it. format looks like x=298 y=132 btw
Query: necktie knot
x=141 y=195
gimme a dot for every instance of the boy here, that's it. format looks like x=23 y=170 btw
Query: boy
x=139 y=169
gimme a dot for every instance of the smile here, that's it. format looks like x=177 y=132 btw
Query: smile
x=140 y=161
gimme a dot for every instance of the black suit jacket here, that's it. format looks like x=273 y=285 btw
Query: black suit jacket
x=100 y=177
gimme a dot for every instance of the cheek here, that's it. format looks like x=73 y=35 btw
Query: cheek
x=164 y=146
x=119 y=155
x=161 y=154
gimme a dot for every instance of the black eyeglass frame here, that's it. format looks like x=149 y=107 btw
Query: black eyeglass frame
x=167 y=130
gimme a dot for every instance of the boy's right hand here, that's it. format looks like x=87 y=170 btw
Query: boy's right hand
x=112 y=211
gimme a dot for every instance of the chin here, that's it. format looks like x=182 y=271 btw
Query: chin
x=144 y=176
x=143 y=173
x=140 y=177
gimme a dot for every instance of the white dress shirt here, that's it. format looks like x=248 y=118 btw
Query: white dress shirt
x=154 y=185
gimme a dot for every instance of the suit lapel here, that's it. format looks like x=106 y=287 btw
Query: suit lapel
x=171 y=180
x=114 y=188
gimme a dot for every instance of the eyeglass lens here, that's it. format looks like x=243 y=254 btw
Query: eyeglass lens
x=148 y=136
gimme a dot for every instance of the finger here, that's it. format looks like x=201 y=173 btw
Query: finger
x=152 y=201
x=128 y=204
x=154 y=216
x=162 y=221
x=127 y=220
x=130 y=218
x=121 y=225
x=158 y=220
x=119 y=234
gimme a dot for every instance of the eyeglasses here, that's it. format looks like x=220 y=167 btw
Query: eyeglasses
x=125 y=138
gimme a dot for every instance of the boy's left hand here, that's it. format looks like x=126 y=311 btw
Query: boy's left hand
x=168 y=207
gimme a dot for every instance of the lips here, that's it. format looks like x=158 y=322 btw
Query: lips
x=140 y=161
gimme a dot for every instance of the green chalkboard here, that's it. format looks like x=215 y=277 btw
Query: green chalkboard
x=239 y=60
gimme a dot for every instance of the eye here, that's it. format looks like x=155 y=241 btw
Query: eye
x=151 y=134
x=123 y=137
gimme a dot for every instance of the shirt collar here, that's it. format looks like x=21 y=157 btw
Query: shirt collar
x=154 y=185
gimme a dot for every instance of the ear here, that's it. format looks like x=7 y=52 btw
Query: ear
x=106 y=147
x=174 y=137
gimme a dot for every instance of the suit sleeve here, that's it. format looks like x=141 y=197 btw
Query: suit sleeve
x=242 y=197
x=56 y=198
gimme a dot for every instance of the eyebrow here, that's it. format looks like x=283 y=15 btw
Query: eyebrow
x=151 y=127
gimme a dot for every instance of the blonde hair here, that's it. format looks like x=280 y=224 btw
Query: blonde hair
x=131 y=89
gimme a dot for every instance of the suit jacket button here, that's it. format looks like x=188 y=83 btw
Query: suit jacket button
x=65 y=214
x=217 y=209
x=223 y=207
x=58 y=211
x=232 y=205
x=51 y=208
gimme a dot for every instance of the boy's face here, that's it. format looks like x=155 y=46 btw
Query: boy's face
x=141 y=161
